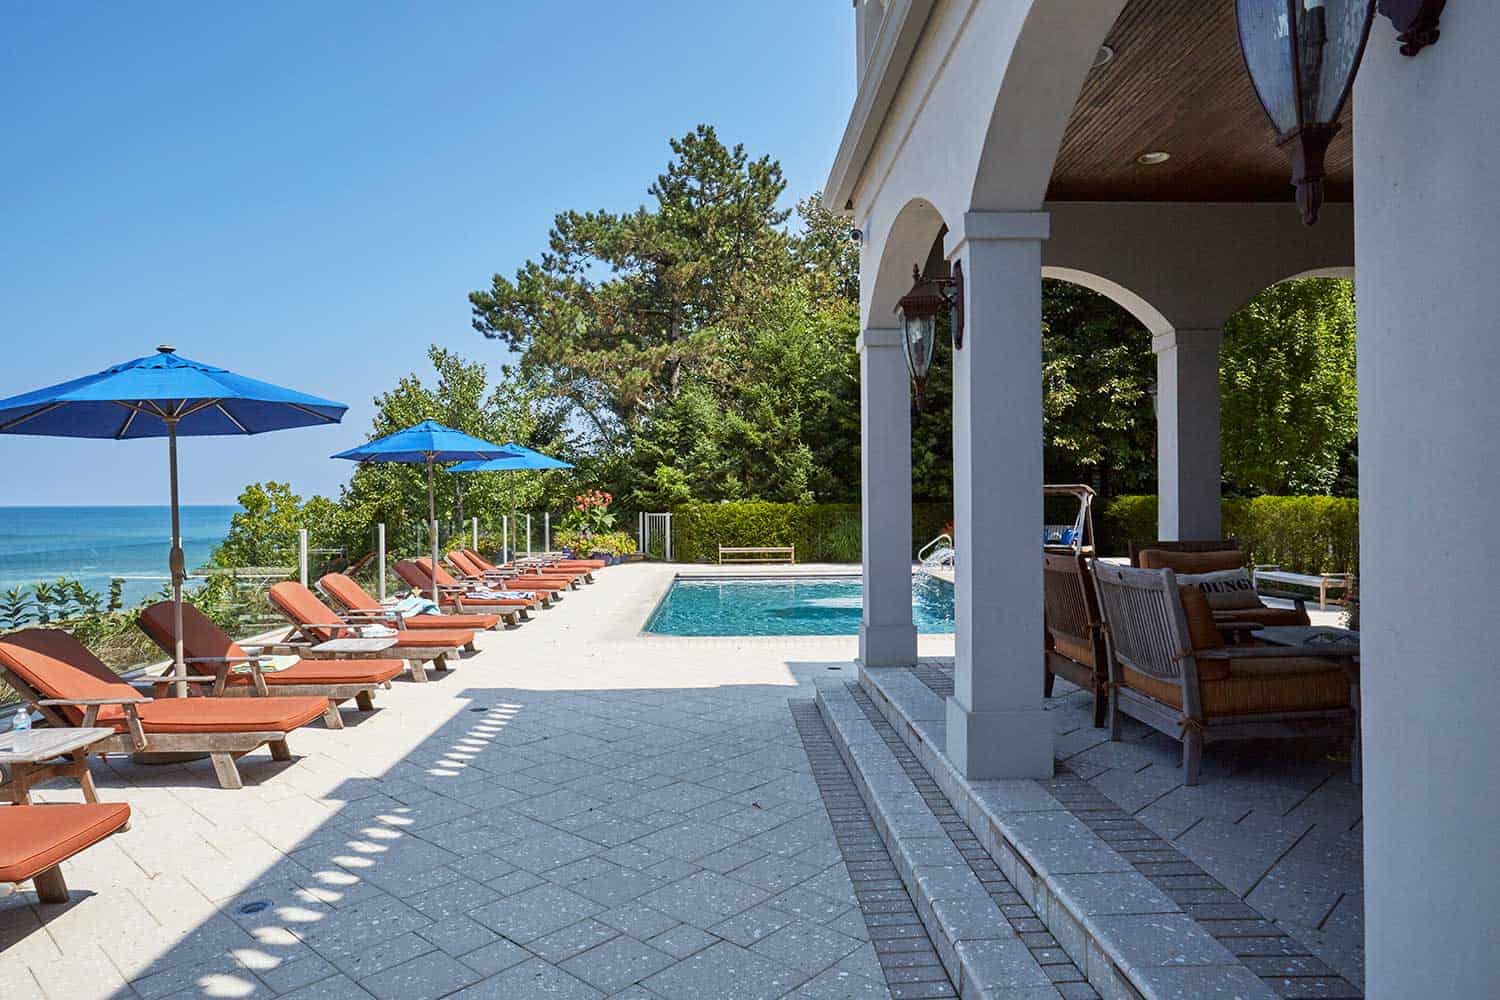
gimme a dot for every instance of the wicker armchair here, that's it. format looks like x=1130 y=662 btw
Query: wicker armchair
x=1169 y=669
x=1075 y=632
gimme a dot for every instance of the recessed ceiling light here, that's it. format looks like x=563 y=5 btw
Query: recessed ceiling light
x=1153 y=158
x=1104 y=56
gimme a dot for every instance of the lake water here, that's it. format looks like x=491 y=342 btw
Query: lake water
x=95 y=544
x=787 y=606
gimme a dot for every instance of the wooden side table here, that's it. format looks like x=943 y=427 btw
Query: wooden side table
x=39 y=755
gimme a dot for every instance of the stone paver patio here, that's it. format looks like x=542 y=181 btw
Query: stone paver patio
x=576 y=811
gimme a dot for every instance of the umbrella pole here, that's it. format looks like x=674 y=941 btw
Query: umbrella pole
x=432 y=524
x=176 y=563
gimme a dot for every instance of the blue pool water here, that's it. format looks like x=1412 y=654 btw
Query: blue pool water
x=786 y=606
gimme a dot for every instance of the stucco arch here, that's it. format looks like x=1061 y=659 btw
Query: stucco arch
x=887 y=278
x=1150 y=317
x=1049 y=57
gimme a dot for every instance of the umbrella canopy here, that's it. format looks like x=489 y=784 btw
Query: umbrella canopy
x=428 y=443
x=143 y=398
x=526 y=459
x=164 y=395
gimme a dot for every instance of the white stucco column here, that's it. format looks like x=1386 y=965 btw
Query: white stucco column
x=887 y=637
x=1187 y=433
x=1427 y=137
x=996 y=727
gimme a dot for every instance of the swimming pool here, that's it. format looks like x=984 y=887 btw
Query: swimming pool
x=786 y=606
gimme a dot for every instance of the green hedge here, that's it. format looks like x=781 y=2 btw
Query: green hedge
x=1302 y=534
x=825 y=532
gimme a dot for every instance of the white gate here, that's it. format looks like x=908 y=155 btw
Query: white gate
x=656 y=535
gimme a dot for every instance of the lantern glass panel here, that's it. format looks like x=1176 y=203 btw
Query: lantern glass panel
x=921 y=341
x=1265 y=38
x=1328 y=65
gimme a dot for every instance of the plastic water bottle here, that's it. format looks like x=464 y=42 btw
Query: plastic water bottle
x=20 y=726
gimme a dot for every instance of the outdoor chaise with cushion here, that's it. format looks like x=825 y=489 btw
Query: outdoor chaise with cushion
x=447 y=582
x=1251 y=610
x=36 y=839
x=474 y=575
x=317 y=623
x=549 y=562
x=57 y=675
x=462 y=596
x=358 y=605
x=204 y=642
x=1075 y=632
x=1169 y=668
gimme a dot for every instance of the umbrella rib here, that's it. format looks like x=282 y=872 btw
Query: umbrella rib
x=25 y=417
x=314 y=413
x=130 y=413
x=220 y=407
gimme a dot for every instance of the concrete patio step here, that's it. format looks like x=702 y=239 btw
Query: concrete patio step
x=988 y=939
x=1127 y=935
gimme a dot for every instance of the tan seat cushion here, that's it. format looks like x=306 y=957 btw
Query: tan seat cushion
x=1192 y=562
x=1263 y=615
x=1078 y=650
x=1252 y=687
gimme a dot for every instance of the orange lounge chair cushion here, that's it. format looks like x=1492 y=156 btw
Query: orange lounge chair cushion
x=38 y=837
x=56 y=665
x=371 y=672
x=476 y=622
x=219 y=715
x=427 y=638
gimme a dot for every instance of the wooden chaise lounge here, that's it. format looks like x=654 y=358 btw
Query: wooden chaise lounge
x=36 y=839
x=316 y=622
x=551 y=586
x=456 y=596
x=1075 y=631
x=359 y=605
x=58 y=676
x=337 y=680
x=1170 y=668
x=557 y=579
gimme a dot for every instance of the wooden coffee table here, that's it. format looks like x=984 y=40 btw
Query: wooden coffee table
x=33 y=757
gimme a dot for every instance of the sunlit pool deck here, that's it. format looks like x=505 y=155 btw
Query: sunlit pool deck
x=578 y=810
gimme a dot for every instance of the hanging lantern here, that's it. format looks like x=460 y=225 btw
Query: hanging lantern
x=1302 y=56
x=918 y=312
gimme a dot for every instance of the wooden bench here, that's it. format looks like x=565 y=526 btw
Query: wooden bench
x=757 y=554
x=1321 y=582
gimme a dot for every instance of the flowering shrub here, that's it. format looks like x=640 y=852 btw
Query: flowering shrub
x=614 y=543
x=590 y=513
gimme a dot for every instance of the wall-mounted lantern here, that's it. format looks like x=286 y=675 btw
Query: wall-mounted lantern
x=918 y=312
x=1302 y=56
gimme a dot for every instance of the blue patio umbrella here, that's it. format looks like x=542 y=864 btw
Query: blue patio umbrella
x=525 y=459
x=164 y=395
x=428 y=443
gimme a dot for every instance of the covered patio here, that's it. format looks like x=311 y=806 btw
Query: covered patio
x=1018 y=140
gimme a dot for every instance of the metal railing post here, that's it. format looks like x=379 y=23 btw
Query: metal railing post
x=302 y=555
x=528 y=533
x=476 y=534
x=669 y=536
x=547 y=531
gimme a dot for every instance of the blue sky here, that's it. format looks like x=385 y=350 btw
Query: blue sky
x=306 y=193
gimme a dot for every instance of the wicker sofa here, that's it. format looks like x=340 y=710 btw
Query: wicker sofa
x=1170 y=669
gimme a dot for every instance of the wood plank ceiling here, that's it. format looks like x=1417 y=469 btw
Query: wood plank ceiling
x=1178 y=85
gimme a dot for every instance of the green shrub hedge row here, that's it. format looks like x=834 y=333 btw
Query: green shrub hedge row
x=821 y=532
x=1302 y=534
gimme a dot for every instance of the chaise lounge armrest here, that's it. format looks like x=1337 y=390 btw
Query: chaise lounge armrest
x=85 y=702
x=374 y=615
x=91 y=708
x=1274 y=653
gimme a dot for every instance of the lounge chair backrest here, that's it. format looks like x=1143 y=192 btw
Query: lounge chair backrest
x=1072 y=607
x=479 y=560
x=1190 y=545
x=412 y=576
x=347 y=592
x=303 y=607
x=444 y=578
x=200 y=635
x=54 y=664
x=1147 y=628
x=465 y=563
